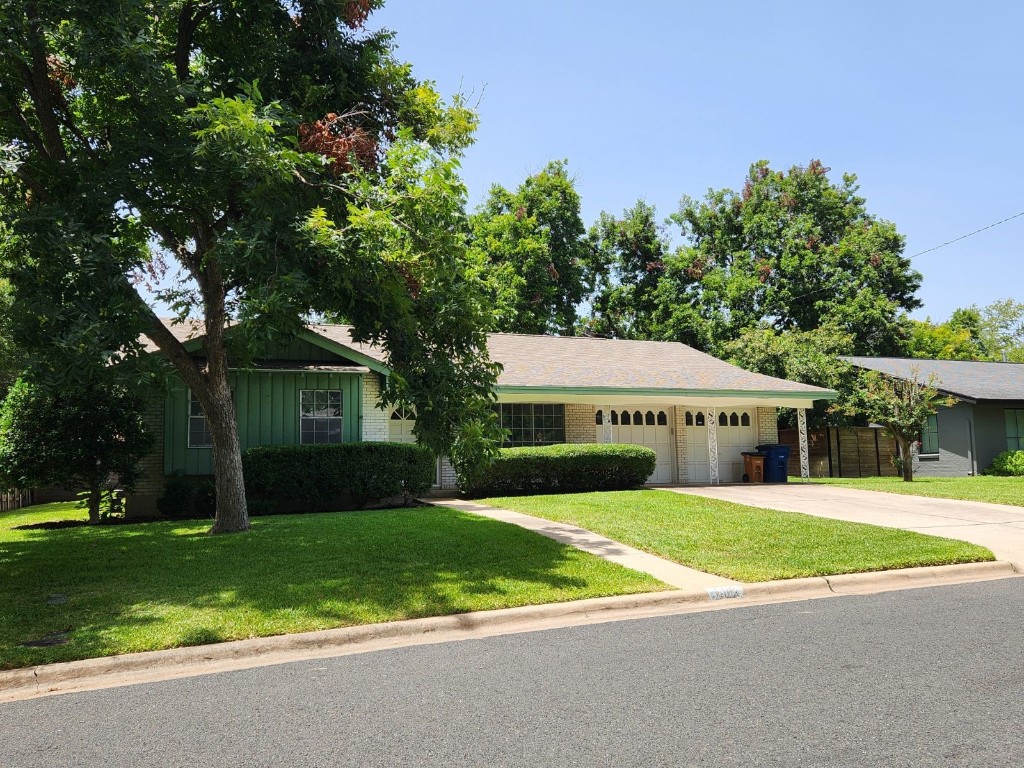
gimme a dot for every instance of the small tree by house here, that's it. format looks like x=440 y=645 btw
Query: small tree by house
x=902 y=407
x=78 y=439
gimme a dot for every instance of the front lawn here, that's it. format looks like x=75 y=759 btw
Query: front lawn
x=124 y=588
x=740 y=542
x=995 y=490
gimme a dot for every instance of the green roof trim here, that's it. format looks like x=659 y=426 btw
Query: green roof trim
x=345 y=351
x=655 y=392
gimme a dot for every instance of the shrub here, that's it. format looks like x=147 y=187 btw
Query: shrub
x=310 y=477
x=1007 y=464
x=566 y=469
x=188 y=497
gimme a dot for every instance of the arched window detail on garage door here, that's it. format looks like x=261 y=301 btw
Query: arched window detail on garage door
x=625 y=418
x=599 y=417
x=689 y=419
x=649 y=418
x=662 y=419
x=723 y=420
x=734 y=419
x=745 y=419
x=638 y=418
x=615 y=419
x=700 y=418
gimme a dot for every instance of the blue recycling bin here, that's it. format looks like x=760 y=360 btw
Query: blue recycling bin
x=776 y=462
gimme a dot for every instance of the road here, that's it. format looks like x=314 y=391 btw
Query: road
x=926 y=677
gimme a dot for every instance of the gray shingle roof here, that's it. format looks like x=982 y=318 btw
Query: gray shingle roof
x=964 y=378
x=589 y=363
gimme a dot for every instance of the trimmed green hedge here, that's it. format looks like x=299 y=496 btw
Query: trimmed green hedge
x=566 y=469
x=1007 y=464
x=282 y=478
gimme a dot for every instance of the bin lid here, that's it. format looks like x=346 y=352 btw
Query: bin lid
x=749 y=453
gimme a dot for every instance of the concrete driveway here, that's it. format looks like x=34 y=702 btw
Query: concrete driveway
x=996 y=526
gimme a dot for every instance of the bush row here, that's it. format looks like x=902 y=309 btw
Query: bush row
x=300 y=478
x=1007 y=464
x=566 y=469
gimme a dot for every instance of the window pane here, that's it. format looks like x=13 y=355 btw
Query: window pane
x=662 y=419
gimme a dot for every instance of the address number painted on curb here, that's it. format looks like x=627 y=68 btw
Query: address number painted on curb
x=724 y=593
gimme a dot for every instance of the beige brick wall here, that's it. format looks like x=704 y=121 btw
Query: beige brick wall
x=375 y=420
x=679 y=436
x=579 y=423
x=448 y=480
x=767 y=425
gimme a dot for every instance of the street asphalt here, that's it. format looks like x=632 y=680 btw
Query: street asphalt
x=922 y=677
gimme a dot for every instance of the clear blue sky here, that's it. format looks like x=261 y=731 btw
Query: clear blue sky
x=654 y=99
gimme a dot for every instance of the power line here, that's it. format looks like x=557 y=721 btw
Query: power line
x=964 y=237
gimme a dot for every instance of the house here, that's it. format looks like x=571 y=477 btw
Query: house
x=697 y=412
x=987 y=419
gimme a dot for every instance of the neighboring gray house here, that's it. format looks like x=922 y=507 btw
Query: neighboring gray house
x=987 y=419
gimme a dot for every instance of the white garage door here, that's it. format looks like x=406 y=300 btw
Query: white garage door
x=642 y=426
x=737 y=432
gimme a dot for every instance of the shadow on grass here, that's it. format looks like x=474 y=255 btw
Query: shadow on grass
x=168 y=584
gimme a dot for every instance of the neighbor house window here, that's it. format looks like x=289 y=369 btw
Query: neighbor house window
x=532 y=424
x=320 y=416
x=930 y=436
x=1014 y=429
x=198 y=428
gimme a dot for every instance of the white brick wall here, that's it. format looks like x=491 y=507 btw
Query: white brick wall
x=448 y=479
x=375 y=421
x=767 y=425
x=679 y=434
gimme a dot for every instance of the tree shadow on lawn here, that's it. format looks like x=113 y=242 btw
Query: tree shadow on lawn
x=169 y=584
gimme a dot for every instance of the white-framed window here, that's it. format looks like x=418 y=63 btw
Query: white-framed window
x=320 y=416
x=930 y=436
x=198 y=428
x=1014 y=429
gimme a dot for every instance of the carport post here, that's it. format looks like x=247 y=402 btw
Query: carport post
x=712 y=446
x=801 y=421
x=607 y=424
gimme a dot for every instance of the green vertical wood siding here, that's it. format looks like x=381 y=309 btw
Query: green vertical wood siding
x=267 y=408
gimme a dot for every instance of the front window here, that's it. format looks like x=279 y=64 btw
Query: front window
x=532 y=424
x=198 y=428
x=320 y=416
x=930 y=436
x=1014 y=429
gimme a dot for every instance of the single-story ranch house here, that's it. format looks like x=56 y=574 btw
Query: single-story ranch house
x=987 y=419
x=697 y=412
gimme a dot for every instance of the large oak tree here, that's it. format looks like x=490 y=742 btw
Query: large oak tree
x=250 y=162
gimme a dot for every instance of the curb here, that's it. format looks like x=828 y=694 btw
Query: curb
x=152 y=666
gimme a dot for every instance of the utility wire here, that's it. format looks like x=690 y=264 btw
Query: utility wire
x=964 y=237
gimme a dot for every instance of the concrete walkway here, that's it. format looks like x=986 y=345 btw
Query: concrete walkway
x=676 y=575
x=999 y=527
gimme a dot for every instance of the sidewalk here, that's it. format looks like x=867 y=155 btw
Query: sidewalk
x=673 y=574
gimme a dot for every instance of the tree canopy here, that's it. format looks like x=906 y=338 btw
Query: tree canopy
x=533 y=254
x=792 y=251
x=251 y=164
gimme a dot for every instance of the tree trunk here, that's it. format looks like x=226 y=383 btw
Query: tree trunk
x=94 y=504
x=232 y=510
x=908 y=459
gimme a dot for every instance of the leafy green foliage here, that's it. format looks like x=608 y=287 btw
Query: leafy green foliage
x=566 y=468
x=77 y=439
x=810 y=357
x=258 y=162
x=631 y=251
x=792 y=250
x=902 y=406
x=532 y=253
x=1007 y=464
x=942 y=341
x=312 y=477
x=1001 y=329
x=188 y=497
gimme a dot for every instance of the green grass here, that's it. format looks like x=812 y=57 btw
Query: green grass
x=995 y=490
x=167 y=584
x=740 y=542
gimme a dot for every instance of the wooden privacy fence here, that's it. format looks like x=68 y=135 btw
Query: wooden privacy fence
x=14 y=500
x=847 y=452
